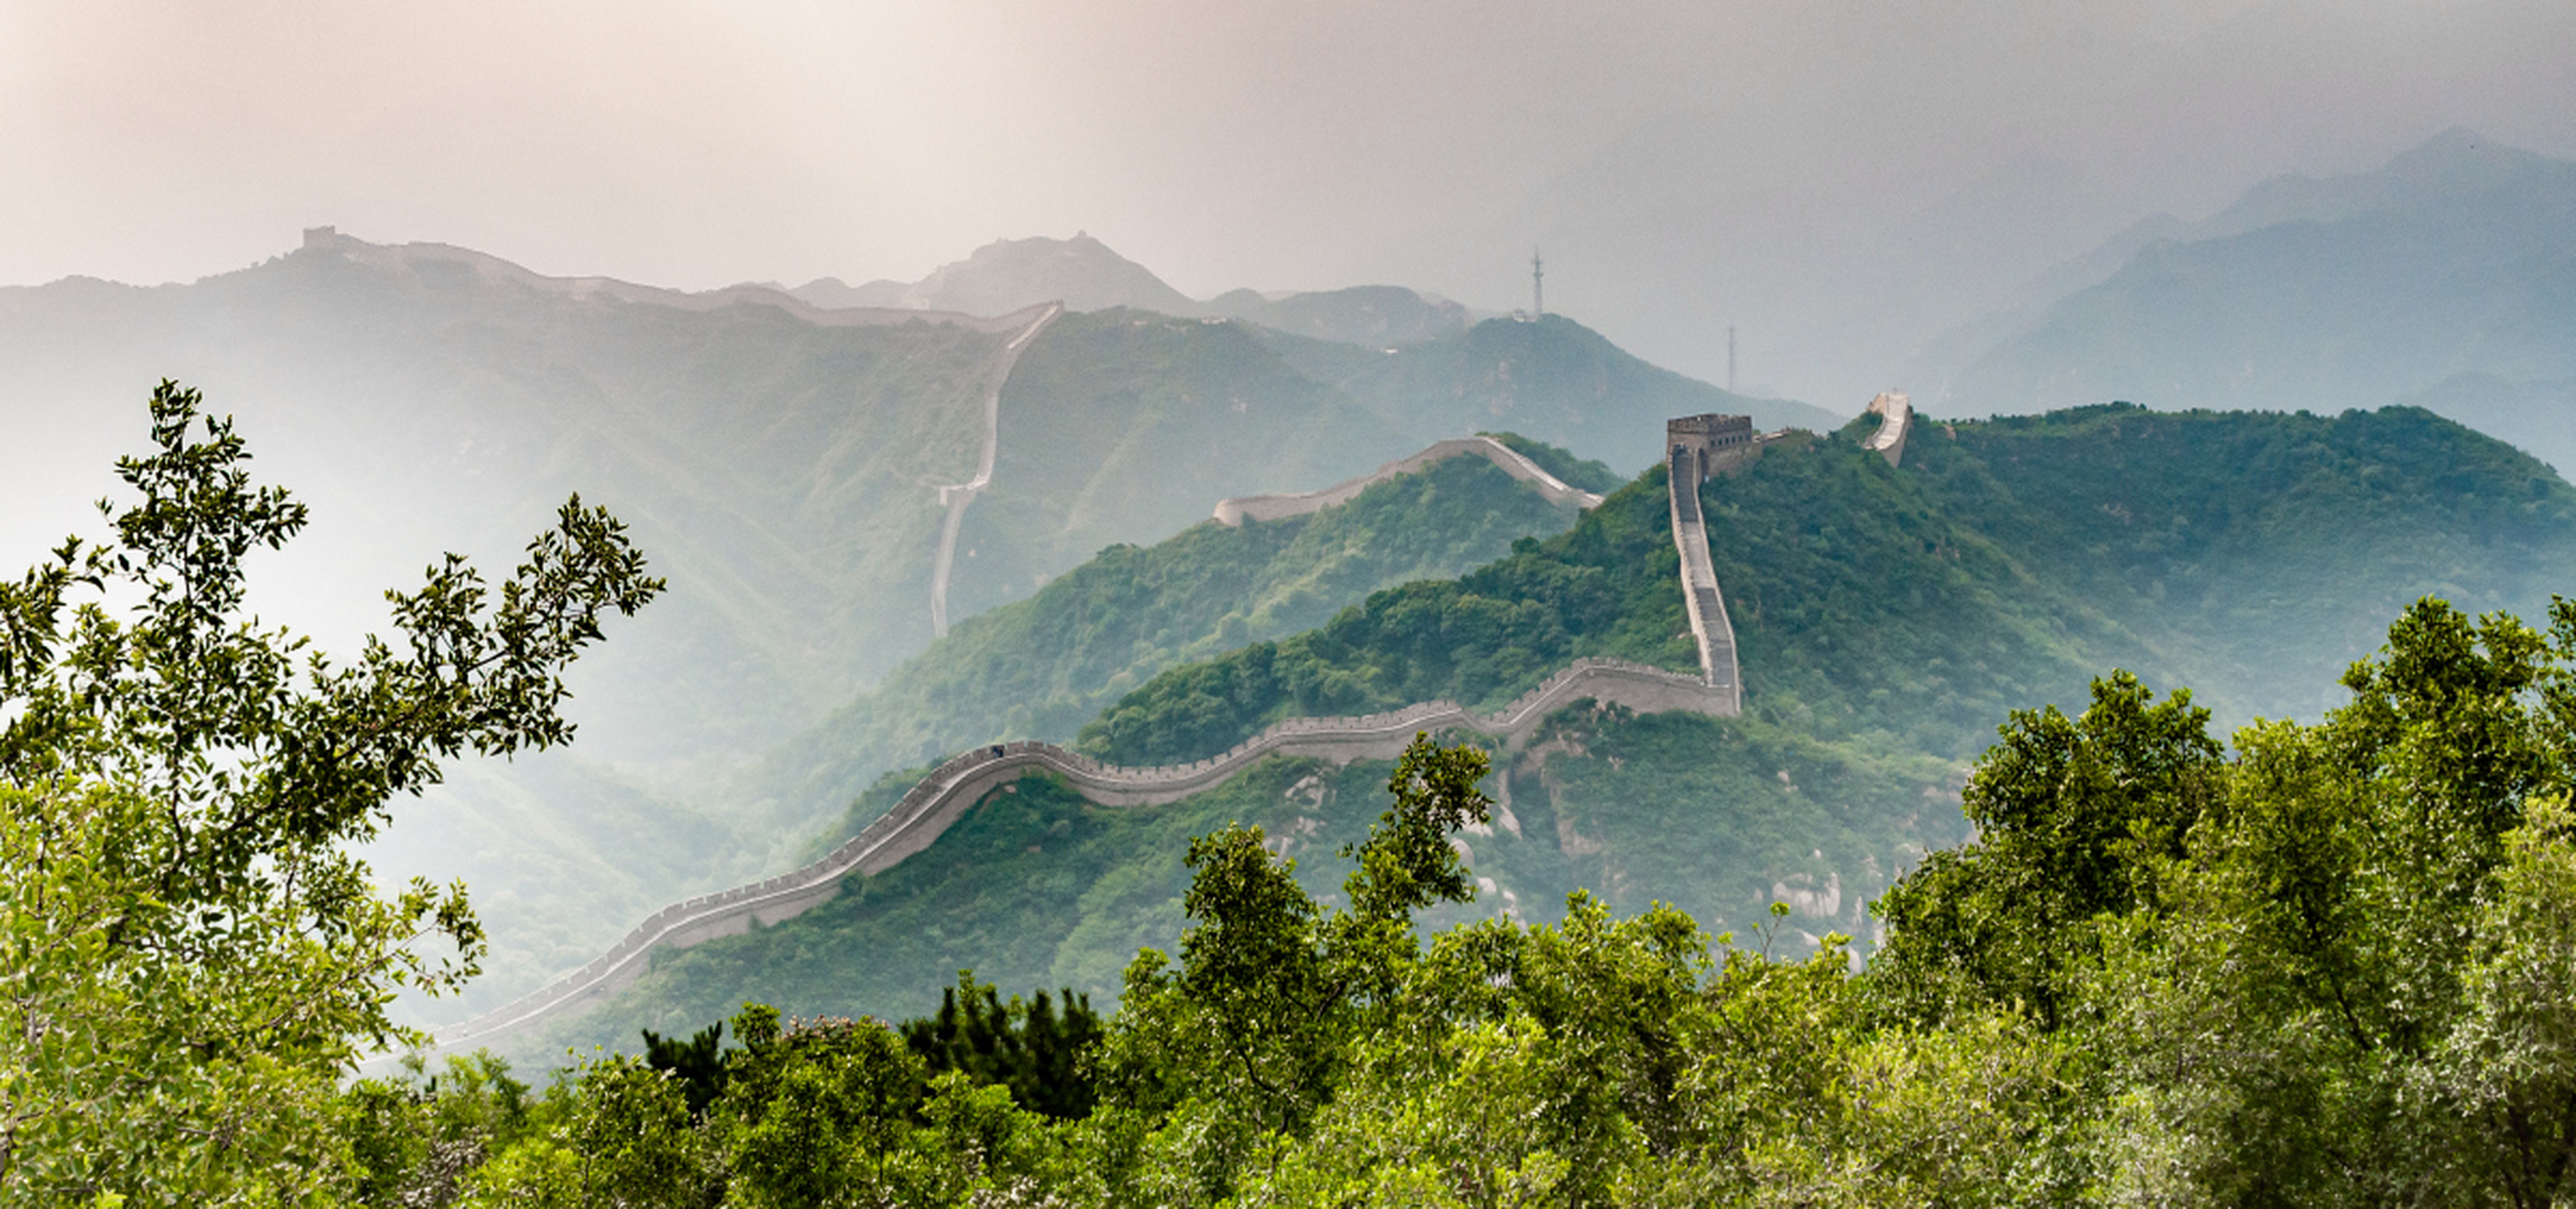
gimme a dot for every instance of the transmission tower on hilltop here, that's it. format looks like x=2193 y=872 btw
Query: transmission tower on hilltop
x=1538 y=294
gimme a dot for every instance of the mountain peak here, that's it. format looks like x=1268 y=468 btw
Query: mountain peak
x=1081 y=272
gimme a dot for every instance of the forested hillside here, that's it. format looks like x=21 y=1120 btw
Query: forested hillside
x=1889 y=618
x=2248 y=553
x=1125 y=426
x=1042 y=667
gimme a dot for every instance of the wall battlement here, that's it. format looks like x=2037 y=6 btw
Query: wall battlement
x=1715 y=443
x=1895 y=415
x=940 y=799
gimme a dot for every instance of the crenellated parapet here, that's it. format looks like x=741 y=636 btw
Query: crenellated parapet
x=941 y=798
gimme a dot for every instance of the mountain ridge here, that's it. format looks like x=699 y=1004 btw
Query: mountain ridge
x=2446 y=269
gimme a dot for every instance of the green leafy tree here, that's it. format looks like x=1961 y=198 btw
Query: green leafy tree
x=617 y=1134
x=2075 y=818
x=1245 y=1040
x=189 y=953
x=2498 y=1098
x=818 y=1113
x=1025 y=1044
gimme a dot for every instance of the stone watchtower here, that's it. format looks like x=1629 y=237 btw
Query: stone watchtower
x=1714 y=443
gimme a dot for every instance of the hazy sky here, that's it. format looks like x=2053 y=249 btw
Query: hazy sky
x=1272 y=144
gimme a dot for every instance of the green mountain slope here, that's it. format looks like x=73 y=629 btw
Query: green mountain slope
x=1887 y=617
x=1039 y=887
x=1041 y=667
x=2257 y=554
x=1126 y=426
x=2249 y=554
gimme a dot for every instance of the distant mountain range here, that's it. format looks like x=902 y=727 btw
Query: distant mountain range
x=2446 y=278
x=1086 y=275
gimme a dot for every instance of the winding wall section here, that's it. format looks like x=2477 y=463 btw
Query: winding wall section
x=1233 y=512
x=955 y=496
x=1708 y=621
x=956 y=786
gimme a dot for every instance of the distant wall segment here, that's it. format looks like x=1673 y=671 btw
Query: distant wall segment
x=1895 y=415
x=1233 y=512
x=955 y=497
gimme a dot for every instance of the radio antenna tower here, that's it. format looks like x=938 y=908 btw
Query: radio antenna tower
x=1538 y=295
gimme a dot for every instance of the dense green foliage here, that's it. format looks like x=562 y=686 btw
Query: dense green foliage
x=1025 y=1045
x=2335 y=965
x=1041 y=667
x=189 y=952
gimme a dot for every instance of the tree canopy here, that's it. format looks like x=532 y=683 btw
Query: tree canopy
x=190 y=954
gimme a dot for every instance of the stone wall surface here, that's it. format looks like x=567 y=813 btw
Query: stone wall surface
x=955 y=787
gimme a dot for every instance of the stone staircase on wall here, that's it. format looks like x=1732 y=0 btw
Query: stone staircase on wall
x=1709 y=625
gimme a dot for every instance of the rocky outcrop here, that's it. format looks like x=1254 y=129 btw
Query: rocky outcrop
x=1233 y=512
x=939 y=799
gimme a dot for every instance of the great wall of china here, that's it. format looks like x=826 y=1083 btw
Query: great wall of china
x=1698 y=447
x=950 y=790
x=1233 y=512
